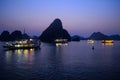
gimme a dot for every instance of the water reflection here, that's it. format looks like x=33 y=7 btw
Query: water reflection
x=20 y=56
x=61 y=44
x=73 y=62
x=108 y=44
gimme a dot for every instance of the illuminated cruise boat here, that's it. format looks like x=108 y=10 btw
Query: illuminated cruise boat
x=23 y=44
x=107 y=41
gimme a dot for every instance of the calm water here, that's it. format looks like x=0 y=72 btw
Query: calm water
x=74 y=61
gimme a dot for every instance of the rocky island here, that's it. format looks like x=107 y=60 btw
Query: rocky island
x=55 y=31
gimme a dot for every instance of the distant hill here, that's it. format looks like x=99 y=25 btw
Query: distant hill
x=77 y=38
x=98 y=36
x=15 y=35
x=115 y=37
x=5 y=36
x=101 y=36
x=54 y=31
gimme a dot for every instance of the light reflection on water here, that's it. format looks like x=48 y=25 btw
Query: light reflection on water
x=72 y=61
x=108 y=44
x=20 y=56
x=61 y=44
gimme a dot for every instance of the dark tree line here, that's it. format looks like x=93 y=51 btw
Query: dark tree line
x=15 y=35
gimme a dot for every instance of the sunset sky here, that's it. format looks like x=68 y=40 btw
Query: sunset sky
x=81 y=17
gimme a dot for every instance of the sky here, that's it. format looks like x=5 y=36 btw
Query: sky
x=79 y=17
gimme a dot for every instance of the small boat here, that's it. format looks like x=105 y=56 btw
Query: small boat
x=61 y=40
x=23 y=44
x=90 y=41
x=107 y=41
x=93 y=47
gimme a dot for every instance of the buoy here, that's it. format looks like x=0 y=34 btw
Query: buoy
x=93 y=48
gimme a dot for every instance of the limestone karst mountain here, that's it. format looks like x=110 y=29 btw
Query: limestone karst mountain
x=55 y=31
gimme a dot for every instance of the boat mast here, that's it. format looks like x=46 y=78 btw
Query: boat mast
x=23 y=34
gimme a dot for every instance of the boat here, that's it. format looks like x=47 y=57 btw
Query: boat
x=107 y=41
x=90 y=41
x=23 y=44
x=61 y=40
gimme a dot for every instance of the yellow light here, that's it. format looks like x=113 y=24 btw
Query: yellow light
x=58 y=44
x=60 y=40
x=90 y=41
x=25 y=51
x=24 y=41
x=31 y=49
x=61 y=44
x=107 y=44
x=20 y=42
x=107 y=41
x=18 y=51
x=17 y=45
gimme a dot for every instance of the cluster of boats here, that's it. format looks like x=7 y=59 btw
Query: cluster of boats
x=30 y=43
x=103 y=41
x=33 y=43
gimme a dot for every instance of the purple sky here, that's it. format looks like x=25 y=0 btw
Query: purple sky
x=82 y=17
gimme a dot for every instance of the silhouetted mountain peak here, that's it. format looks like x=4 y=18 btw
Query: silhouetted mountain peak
x=54 y=31
x=97 y=33
x=56 y=24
